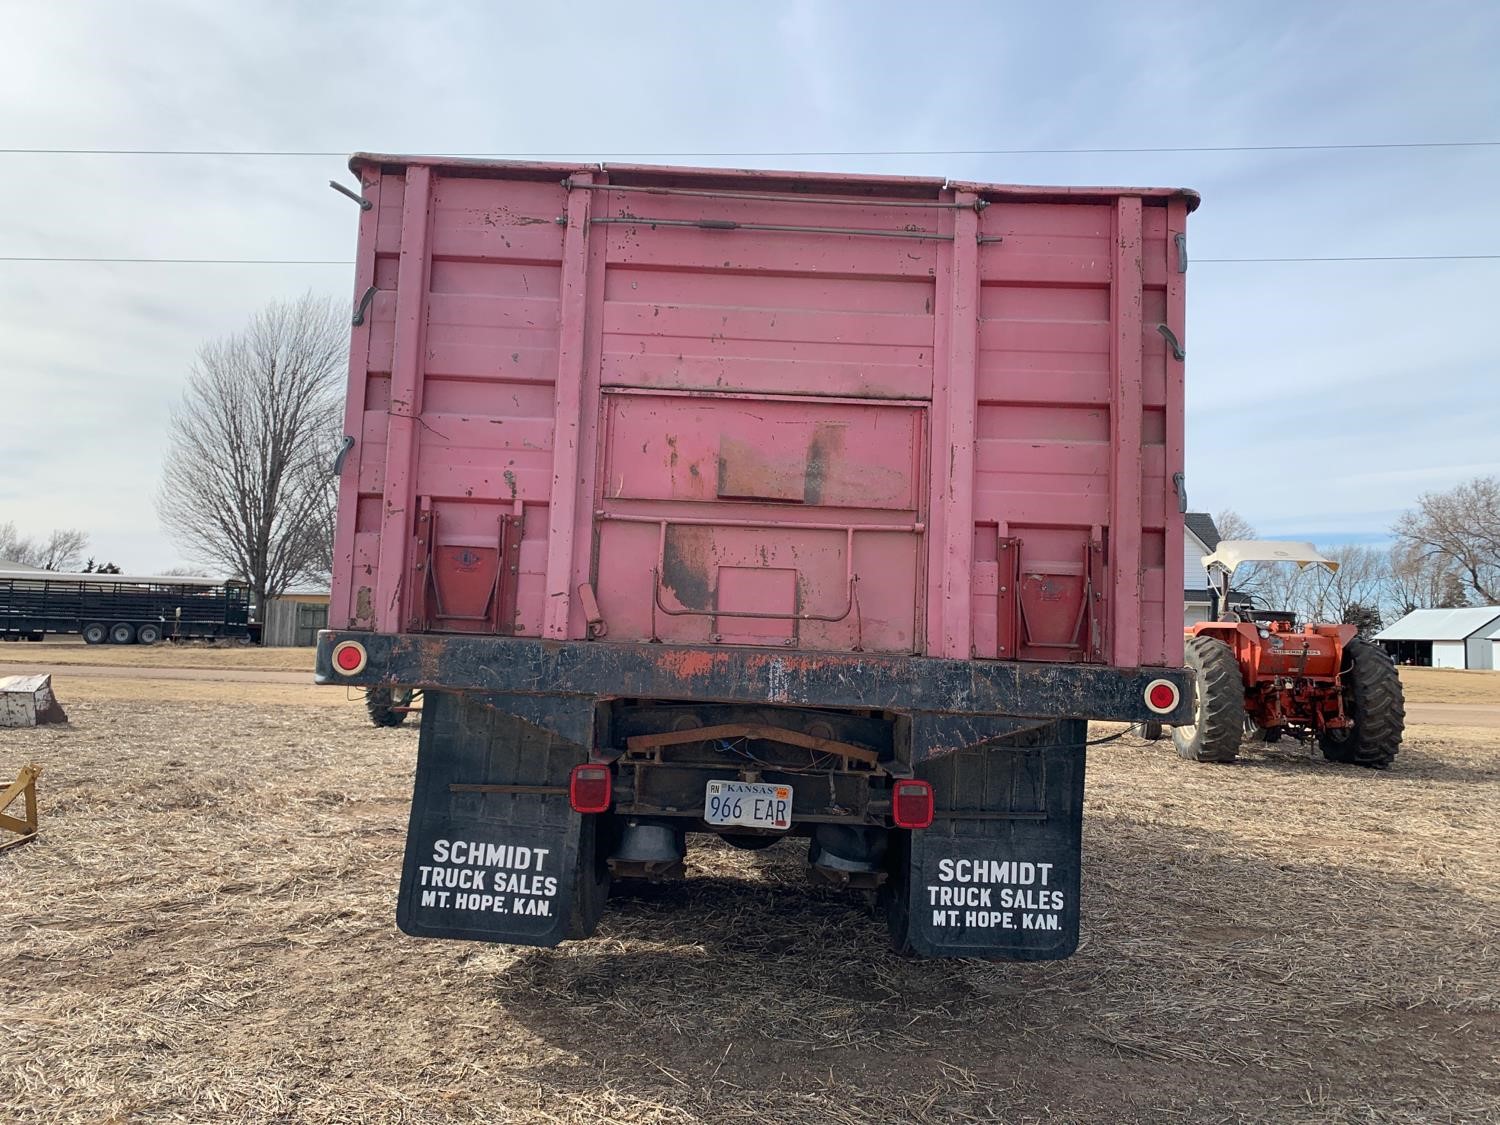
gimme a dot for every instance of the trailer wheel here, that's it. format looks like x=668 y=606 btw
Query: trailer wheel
x=1218 y=724
x=148 y=634
x=382 y=703
x=95 y=634
x=895 y=894
x=1374 y=700
x=122 y=633
x=592 y=885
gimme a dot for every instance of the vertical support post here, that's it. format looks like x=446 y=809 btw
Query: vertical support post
x=1176 y=443
x=396 y=522
x=567 y=403
x=1126 y=279
x=341 y=601
x=591 y=439
x=954 y=460
x=935 y=541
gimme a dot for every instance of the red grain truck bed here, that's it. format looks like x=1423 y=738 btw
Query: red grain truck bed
x=875 y=481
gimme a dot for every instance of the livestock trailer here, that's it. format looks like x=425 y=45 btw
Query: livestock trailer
x=122 y=608
x=760 y=504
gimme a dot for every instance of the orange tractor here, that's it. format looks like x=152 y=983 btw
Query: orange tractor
x=1259 y=673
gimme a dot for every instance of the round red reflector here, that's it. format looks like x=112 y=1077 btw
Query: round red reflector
x=1161 y=696
x=349 y=657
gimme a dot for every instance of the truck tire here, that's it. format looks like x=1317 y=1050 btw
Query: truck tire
x=148 y=634
x=1219 y=704
x=95 y=633
x=1374 y=700
x=382 y=703
x=122 y=633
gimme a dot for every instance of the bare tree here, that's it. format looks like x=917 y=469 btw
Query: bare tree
x=1251 y=579
x=1359 y=581
x=1460 y=527
x=246 y=483
x=1232 y=525
x=1315 y=595
x=1420 y=580
x=61 y=550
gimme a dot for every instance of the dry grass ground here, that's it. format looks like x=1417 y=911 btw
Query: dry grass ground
x=204 y=932
x=158 y=656
x=1448 y=685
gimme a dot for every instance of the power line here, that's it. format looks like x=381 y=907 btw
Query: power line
x=574 y=154
x=189 y=261
x=1368 y=258
x=340 y=262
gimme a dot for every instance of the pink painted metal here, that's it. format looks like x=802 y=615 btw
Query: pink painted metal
x=715 y=407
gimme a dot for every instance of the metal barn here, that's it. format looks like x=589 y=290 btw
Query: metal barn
x=1445 y=638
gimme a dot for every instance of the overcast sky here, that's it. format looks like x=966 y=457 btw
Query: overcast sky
x=1323 y=397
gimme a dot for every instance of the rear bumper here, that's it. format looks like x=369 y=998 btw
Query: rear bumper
x=600 y=669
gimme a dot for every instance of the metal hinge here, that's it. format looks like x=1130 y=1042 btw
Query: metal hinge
x=1181 y=240
x=364 y=204
x=364 y=304
x=1179 y=486
x=338 y=461
x=1171 y=338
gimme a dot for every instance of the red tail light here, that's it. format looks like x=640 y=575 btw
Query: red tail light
x=590 y=789
x=349 y=657
x=911 y=804
x=1162 y=696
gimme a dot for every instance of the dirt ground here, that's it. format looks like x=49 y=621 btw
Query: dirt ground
x=187 y=655
x=204 y=932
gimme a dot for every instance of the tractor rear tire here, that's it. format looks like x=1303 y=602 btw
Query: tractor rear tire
x=1218 y=704
x=1374 y=700
x=382 y=703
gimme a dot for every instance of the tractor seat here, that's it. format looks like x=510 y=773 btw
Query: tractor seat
x=1274 y=617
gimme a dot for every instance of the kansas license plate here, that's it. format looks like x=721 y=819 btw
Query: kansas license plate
x=750 y=804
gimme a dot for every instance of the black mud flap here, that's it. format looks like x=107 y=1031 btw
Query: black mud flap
x=487 y=864
x=996 y=876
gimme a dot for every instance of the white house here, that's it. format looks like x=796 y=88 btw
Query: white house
x=1200 y=537
x=1446 y=638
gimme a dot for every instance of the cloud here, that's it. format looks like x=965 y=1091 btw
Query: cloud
x=1321 y=396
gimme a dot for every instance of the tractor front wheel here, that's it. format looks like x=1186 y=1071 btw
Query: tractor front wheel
x=1373 y=699
x=1218 y=703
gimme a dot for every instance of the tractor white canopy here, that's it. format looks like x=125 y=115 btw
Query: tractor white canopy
x=1232 y=553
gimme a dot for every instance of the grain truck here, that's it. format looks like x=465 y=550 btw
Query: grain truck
x=759 y=505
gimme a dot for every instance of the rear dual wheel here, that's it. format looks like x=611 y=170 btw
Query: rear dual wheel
x=1218 y=724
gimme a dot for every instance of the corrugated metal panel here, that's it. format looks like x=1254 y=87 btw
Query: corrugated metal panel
x=1448 y=654
x=1441 y=624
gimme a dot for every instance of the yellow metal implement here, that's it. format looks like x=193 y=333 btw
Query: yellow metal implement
x=23 y=786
